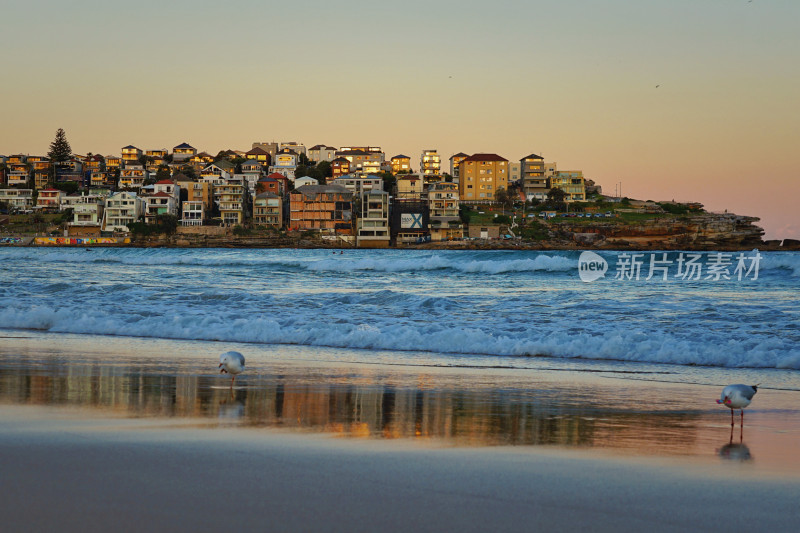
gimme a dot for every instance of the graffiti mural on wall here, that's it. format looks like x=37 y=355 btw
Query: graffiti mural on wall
x=10 y=240
x=79 y=241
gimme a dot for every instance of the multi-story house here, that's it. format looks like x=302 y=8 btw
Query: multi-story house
x=201 y=160
x=456 y=160
x=571 y=182
x=196 y=191
x=49 y=199
x=157 y=154
x=369 y=168
x=373 y=151
x=102 y=179
x=17 y=199
x=295 y=147
x=251 y=173
x=169 y=187
x=358 y=156
x=285 y=163
x=18 y=175
x=274 y=183
x=327 y=208
x=259 y=155
x=70 y=170
x=131 y=155
x=192 y=213
x=157 y=204
x=534 y=181
x=401 y=164
x=94 y=196
x=340 y=166
x=268 y=210
x=113 y=163
x=430 y=164
x=408 y=187
x=372 y=222
x=42 y=179
x=480 y=175
x=87 y=218
x=133 y=176
x=358 y=184
x=231 y=197
x=514 y=171
x=321 y=152
x=216 y=172
x=183 y=152
x=94 y=163
x=306 y=180
x=42 y=173
x=122 y=209
x=271 y=148
x=445 y=222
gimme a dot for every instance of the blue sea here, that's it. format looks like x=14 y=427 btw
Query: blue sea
x=496 y=308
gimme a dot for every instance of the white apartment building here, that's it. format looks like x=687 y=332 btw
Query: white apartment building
x=122 y=209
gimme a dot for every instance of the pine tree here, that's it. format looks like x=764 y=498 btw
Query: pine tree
x=60 y=149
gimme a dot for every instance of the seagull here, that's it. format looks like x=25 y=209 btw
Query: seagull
x=737 y=397
x=233 y=363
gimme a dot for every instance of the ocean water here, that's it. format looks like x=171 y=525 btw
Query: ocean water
x=430 y=307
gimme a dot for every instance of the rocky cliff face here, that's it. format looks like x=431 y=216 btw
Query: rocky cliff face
x=699 y=231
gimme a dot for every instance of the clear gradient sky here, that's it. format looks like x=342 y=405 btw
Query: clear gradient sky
x=572 y=81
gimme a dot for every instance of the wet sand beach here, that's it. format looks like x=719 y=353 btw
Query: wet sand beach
x=100 y=433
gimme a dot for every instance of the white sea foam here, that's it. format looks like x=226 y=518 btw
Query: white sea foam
x=496 y=303
x=617 y=342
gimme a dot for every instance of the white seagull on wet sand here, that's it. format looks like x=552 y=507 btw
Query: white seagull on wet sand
x=737 y=397
x=231 y=363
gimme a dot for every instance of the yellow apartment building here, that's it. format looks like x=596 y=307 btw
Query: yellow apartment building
x=480 y=175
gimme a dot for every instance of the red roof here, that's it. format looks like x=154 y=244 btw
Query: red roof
x=277 y=176
x=165 y=182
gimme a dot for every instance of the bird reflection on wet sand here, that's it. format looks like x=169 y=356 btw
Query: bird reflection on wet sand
x=735 y=451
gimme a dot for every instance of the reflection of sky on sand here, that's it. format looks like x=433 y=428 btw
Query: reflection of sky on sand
x=437 y=405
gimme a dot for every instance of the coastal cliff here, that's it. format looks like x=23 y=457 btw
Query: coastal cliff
x=661 y=231
x=702 y=231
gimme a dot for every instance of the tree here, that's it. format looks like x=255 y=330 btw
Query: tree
x=556 y=195
x=504 y=198
x=68 y=187
x=555 y=199
x=163 y=173
x=60 y=150
x=167 y=223
x=326 y=169
x=301 y=171
x=314 y=172
x=389 y=181
x=302 y=159
x=189 y=172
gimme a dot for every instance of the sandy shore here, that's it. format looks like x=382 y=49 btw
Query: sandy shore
x=65 y=471
x=100 y=433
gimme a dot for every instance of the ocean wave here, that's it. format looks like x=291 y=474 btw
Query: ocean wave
x=453 y=261
x=449 y=262
x=781 y=261
x=465 y=261
x=698 y=346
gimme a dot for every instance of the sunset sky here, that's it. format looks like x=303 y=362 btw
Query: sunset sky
x=686 y=100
